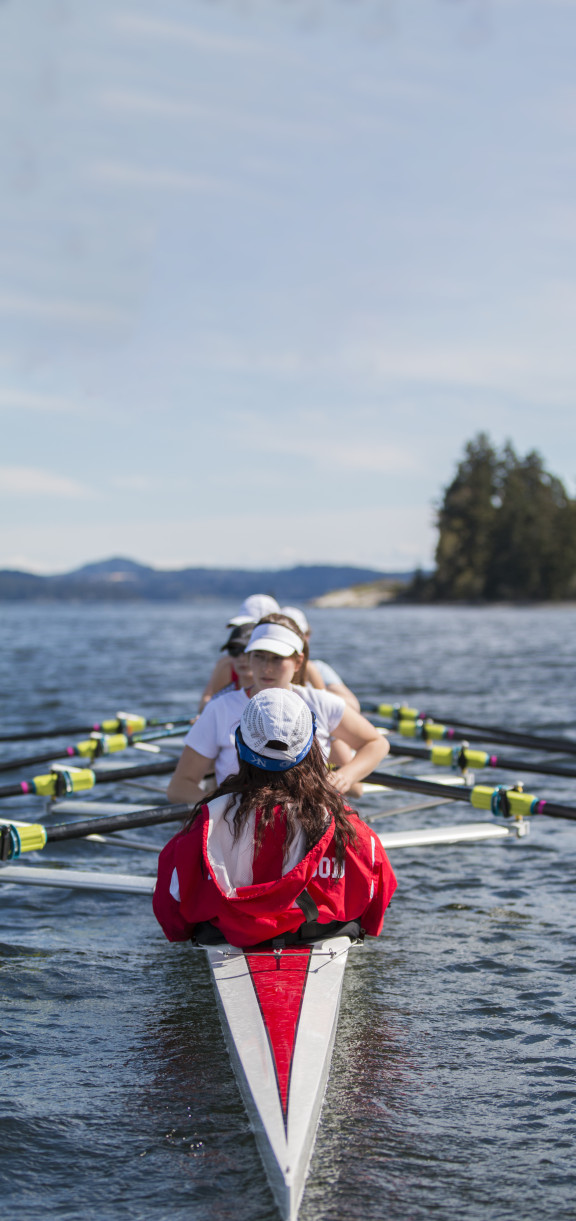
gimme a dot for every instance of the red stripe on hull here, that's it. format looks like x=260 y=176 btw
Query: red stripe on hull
x=279 y=980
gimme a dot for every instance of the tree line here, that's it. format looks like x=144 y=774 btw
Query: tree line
x=506 y=531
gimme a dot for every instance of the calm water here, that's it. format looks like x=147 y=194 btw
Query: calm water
x=453 y=1083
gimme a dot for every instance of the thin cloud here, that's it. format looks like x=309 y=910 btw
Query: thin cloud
x=521 y=370
x=380 y=457
x=386 y=459
x=136 y=483
x=26 y=400
x=121 y=174
x=32 y=481
x=172 y=31
x=59 y=309
x=161 y=107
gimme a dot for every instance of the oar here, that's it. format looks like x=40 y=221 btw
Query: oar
x=94 y=747
x=501 y=800
x=414 y=724
x=17 y=837
x=123 y=722
x=461 y=758
x=504 y=802
x=63 y=780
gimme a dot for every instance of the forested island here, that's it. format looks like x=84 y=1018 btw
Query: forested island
x=506 y=532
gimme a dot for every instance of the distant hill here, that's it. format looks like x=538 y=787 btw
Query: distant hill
x=121 y=579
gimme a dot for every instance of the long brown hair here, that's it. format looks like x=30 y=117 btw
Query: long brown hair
x=303 y=796
x=299 y=679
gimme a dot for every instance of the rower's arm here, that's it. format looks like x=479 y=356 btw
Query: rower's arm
x=370 y=746
x=314 y=677
x=185 y=783
x=346 y=694
x=220 y=677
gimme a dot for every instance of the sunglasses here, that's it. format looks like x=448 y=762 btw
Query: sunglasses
x=235 y=650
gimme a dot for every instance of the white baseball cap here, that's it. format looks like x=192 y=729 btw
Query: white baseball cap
x=294 y=612
x=254 y=608
x=276 y=730
x=274 y=638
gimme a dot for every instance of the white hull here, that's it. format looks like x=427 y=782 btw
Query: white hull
x=283 y=1099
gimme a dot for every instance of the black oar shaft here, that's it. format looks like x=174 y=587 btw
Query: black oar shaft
x=531 y=741
x=117 y=822
x=34 y=735
x=504 y=762
x=71 y=752
x=108 y=725
x=460 y=792
x=435 y=788
x=478 y=732
x=162 y=768
x=45 y=756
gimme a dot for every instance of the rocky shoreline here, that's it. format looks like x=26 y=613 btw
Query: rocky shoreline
x=366 y=596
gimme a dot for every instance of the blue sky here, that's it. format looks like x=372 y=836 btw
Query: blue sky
x=266 y=266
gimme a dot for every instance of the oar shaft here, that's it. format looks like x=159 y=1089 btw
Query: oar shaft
x=531 y=741
x=434 y=788
x=84 y=749
x=111 y=725
x=504 y=762
x=475 y=732
x=117 y=822
x=162 y=768
x=463 y=792
x=62 y=732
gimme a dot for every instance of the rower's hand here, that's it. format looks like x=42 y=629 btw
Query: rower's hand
x=341 y=779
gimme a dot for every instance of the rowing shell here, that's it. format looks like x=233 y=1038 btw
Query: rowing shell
x=279 y=1011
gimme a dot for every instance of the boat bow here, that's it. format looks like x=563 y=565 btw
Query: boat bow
x=279 y=1011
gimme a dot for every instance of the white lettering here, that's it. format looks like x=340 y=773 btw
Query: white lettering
x=328 y=866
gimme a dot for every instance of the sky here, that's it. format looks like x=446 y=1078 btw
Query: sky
x=267 y=265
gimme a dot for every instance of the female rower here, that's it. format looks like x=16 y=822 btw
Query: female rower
x=232 y=670
x=330 y=678
x=226 y=673
x=253 y=608
x=277 y=658
x=275 y=853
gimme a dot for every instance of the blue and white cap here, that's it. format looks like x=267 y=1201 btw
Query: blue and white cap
x=276 y=730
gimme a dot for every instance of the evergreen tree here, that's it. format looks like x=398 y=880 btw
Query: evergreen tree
x=507 y=529
x=533 y=552
x=466 y=523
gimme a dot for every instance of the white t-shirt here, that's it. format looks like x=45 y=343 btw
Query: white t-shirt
x=212 y=735
x=329 y=710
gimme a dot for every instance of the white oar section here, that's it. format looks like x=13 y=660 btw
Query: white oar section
x=74 y=805
x=467 y=832
x=282 y=1076
x=78 y=879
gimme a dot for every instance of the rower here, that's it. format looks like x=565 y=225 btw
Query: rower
x=232 y=671
x=278 y=659
x=275 y=853
x=330 y=678
x=253 y=608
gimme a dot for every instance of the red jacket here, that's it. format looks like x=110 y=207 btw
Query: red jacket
x=265 y=909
